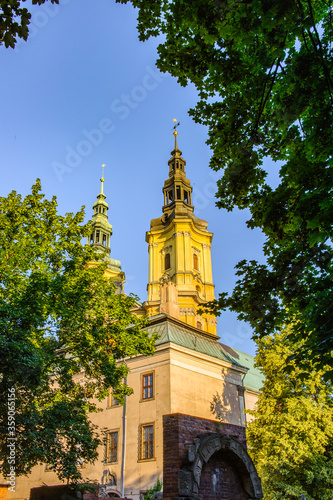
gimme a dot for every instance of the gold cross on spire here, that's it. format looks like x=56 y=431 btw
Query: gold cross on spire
x=175 y=131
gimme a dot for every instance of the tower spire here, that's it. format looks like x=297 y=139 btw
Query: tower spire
x=102 y=179
x=102 y=229
x=175 y=132
x=101 y=235
x=177 y=188
x=180 y=267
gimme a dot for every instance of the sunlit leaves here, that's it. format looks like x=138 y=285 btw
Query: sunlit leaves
x=290 y=439
x=62 y=329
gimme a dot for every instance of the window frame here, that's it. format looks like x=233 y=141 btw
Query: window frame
x=167 y=260
x=108 y=446
x=112 y=402
x=148 y=386
x=142 y=444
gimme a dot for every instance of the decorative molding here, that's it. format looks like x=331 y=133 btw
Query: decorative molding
x=165 y=279
x=180 y=233
x=211 y=321
x=187 y=311
x=166 y=250
x=177 y=233
x=197 y=277
x=195 y=249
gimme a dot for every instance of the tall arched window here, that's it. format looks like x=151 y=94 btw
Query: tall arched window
x=195 y=262
x=167 y=263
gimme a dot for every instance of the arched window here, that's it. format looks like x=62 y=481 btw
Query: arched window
x=167 y=263
x=195 y=262
x=104 y=240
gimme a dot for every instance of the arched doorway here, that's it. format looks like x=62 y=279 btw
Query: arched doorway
x=218 y=468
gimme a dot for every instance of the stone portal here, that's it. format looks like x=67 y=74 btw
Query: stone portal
x=207 y=460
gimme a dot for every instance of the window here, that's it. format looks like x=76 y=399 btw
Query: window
x=111 y=446
x=146 y=441
x=170 y=195
x=186 y=196
x=199 y=325
x=167 y=261
x=148 y=386
x=178 y=193
x=195 y=262
x=97 y=236
x=112 y=401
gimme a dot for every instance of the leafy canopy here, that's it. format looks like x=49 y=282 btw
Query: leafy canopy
x=15 y=20
x=264 y=75
x=62 y=329
x=290 y=438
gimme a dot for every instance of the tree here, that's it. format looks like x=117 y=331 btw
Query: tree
x=290 y=438
x=62 y=329
x=264 y=73
x=15 y=20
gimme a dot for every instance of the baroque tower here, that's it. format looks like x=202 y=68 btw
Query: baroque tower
x=180 y=267
x=100 y=237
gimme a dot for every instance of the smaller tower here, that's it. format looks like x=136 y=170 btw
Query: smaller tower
x=100 y=237
x=102 y=229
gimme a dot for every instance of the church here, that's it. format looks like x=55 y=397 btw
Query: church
x=185 y=423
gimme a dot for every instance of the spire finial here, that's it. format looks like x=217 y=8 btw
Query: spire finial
x=102 y=178
x=175 y=131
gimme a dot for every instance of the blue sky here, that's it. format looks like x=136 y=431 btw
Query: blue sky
x=84 y=91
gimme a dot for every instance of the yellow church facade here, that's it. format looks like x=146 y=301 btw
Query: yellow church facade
x=190 y=373
x=179 y=246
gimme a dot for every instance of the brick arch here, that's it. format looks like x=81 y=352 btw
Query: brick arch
x=202 y=451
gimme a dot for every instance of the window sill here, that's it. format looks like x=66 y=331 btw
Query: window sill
x=144 y=400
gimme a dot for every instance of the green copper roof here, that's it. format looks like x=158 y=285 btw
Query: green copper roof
x=171 y=331
x=254 y=378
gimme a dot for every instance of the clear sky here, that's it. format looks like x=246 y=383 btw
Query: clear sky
x=84 y=91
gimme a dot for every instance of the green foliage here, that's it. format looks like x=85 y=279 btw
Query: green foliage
x=62 y=330
x=264 y=73
x=290 y=439
x=154 y=489
x=15 y=20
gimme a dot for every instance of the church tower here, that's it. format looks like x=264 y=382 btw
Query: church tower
x=180 y=267
x=100 y=238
